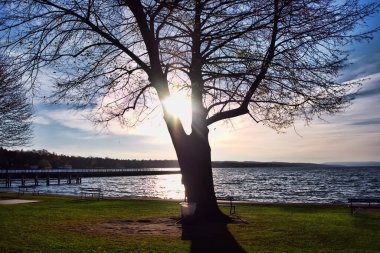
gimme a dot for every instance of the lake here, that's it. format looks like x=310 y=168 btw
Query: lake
x=278 y=185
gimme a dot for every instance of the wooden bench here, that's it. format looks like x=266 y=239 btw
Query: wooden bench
x=229 y=200
x=363 y=203
x=91 y=192
x=28 y=188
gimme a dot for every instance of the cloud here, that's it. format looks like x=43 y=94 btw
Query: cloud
x=367 y=122
x=58 y=138
x=67 y=131
x=364 y=64
x=364 y=56
x=68 y=118
x=41 y=120
x=375 y=91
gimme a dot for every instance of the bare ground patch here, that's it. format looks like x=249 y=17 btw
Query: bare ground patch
x=168 y=226
x=158 y=226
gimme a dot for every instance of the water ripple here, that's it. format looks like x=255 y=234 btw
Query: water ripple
x=280 y=185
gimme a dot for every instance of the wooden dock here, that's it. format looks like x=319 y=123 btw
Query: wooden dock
x=70 y=176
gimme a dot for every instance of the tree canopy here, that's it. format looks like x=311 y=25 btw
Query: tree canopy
x=274 y=60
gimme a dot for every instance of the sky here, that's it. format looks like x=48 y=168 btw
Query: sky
x=350 y=136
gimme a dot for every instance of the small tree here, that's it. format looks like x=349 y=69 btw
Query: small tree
x=15 y=110
x=273 y=60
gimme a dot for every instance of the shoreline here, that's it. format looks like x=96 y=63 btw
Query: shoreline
x=335 y=204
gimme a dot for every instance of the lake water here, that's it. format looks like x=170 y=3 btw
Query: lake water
x=279 y=185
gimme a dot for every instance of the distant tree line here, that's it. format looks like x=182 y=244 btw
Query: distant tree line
x=43 y=159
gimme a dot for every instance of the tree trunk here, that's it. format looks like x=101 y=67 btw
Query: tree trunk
x=198 y=180
x=194 y=157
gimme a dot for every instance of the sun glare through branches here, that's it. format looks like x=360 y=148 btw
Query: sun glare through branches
x=179 y=105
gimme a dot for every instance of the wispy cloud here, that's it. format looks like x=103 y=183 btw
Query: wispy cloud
x=63 y=130
x=367 y=122
x=40 y=120
x=362 y=65
x=374 y=91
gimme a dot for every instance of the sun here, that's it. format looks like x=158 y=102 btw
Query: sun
x=179 y=105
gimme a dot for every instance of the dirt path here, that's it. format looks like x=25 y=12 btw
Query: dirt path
x=16 y=201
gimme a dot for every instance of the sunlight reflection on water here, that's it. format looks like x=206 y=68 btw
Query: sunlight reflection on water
x=160 y=186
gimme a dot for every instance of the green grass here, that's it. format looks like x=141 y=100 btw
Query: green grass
x=52 y=226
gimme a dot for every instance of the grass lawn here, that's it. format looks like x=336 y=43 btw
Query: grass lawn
x=67 y=224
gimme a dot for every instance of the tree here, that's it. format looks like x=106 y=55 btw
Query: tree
x=15 y=111
x=275 y=61
x=44 y=164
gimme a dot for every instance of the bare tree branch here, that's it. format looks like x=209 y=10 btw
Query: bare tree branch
x=15 y=110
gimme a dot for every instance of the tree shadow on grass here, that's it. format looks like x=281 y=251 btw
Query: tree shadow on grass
x=210 y=237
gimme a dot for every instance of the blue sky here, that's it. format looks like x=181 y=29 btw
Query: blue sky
x=352 y=136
